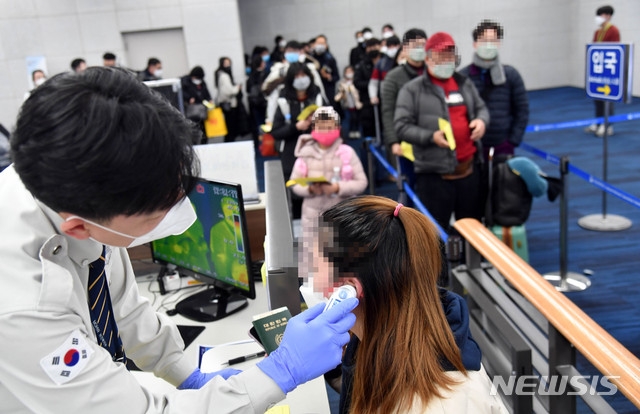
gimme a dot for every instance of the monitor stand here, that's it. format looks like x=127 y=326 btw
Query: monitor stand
x=210 y=305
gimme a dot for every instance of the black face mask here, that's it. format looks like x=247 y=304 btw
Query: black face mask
x=372 y=54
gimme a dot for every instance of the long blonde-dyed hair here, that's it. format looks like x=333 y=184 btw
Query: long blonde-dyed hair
x=406 y=337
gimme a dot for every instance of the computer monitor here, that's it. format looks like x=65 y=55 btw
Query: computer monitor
x=171 y=89
x=214 y=250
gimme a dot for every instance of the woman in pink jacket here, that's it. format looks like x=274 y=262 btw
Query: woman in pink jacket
x=322 y=154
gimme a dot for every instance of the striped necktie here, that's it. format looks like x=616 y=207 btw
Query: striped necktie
x=101 y=310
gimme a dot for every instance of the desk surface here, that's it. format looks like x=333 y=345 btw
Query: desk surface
x=308 y=398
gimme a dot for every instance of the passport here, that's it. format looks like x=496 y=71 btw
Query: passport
x=270 y=326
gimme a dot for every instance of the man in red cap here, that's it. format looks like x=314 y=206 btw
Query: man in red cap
x=442 y=115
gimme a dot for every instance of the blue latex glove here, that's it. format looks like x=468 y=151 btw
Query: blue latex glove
x=197 y=378
x=312 y=345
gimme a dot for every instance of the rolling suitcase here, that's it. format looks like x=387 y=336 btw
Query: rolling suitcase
x=515 y=237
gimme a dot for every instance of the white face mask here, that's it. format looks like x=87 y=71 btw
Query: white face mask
x=320 y=49
x=443 y=70
x=392 y=52
x=487 y=50
x=302 y=83
x=196 y=81
x=387 y=35
x=158 y=73
x=417 y=54
x=177 y=220
x=600 y=20
x=39 y=81
x=367 y=35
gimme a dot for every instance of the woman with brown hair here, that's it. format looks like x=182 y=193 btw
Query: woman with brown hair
x=411 y=349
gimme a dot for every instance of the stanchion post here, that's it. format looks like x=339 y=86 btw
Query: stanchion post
x=400 y=179
x=602 y=222
x=605 y=155
x=371 y=165
x=563 y=280
x=564 y=169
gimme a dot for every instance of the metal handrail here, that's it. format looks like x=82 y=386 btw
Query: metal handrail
x=598 y=346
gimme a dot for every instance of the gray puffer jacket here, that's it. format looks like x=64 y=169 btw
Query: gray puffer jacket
x=420 y=103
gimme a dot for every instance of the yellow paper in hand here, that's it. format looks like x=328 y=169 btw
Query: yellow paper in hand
x=407 y=151
x=445 y=127
x=307 y=112
x=305 y=181
x=278 y=409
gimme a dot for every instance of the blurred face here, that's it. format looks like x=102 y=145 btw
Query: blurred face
x=325 y=125
x=440 y=57
x=488 y=37
x=325 y=277
x=291 y=55
x=109 y=62
x=226 y=63
x=348 y=74
x=157 y=67
x=441 y=64
x=605 y=17
x=81 y=67
x=38 y=77
x=320 y=44
x=373 y=48
x=414 y=51
x=415 y=44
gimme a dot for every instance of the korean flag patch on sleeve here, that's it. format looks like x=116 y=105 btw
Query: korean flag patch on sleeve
x=66 y=362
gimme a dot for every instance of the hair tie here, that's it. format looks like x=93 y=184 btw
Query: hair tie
x=397 y=210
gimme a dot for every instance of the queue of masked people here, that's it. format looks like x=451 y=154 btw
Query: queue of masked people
x=439 y=119
x=405 y=90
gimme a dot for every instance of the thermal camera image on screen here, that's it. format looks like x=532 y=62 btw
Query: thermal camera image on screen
x=214 y=245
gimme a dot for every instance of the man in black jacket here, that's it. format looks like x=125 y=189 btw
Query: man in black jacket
x=361 y=78
x=502 y=89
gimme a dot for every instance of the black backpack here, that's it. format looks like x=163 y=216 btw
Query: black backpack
x=509 y=201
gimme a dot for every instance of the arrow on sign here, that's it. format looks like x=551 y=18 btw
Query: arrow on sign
x=605 y=89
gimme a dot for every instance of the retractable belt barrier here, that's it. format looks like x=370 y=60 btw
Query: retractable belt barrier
x=595 y=181
x=603 y=185
x=416 y=201
x=583 y=122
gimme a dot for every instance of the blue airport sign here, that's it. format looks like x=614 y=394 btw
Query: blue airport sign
x=608 y=71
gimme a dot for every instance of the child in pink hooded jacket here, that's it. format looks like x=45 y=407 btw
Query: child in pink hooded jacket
x=322 y=153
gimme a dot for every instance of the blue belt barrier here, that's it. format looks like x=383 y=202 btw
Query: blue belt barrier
x=584 y=122
x=443 y=234
x=603 y=185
